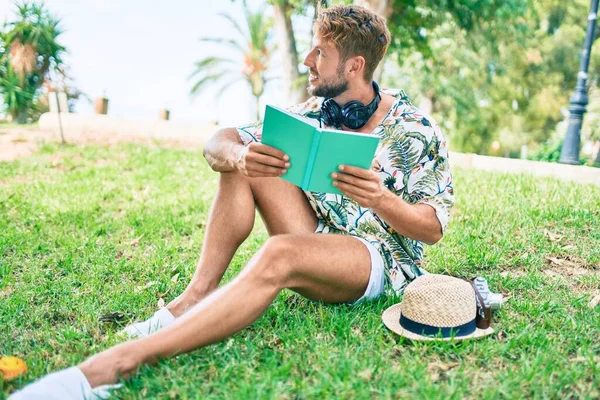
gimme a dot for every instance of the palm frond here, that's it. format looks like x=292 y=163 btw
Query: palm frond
x=229 y=42
x=207 y=79
x=235 y=24
x=212 y=62
x=254 y=47
x=227 y=85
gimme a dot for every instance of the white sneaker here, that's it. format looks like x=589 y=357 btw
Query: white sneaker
x=160 y=319
x=68 y=384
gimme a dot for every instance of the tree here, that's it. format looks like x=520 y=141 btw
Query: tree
x=253 y=46
x=289 y=53
x=29 y=54
x=496 y=79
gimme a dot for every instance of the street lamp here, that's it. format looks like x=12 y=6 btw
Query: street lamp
x=570 y=150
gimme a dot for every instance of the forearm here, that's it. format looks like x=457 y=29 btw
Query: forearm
x=415 y=221
x=223 y=150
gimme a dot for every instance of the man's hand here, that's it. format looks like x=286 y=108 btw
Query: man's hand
x=361 y=185
x=259 y=160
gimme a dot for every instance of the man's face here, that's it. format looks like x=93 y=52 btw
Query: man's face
x=326 y=71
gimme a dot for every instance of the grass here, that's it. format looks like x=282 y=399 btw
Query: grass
x=89 y=231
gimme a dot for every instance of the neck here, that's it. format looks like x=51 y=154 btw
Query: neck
x=361 y=91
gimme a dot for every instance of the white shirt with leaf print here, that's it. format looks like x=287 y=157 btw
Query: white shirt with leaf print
x=412 y=161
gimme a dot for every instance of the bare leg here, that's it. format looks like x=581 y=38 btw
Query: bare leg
x=283 y=207
x=330 y=268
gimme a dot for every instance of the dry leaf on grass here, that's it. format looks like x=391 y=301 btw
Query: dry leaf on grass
x=140 y=194
x=174 y=278
x=356 y=330
x=6 y=291
x=559 y=262
x=438 y=369
x=443 y=366
x=161 y=303
x=550 y=272
x=135 y=241
x=366 y=374
x=553 y=236
x=594 y=301
x=567 y=271
x=146 y=286
x=578 y=359
x=100 y=162
x=567 y=266
x=512 y=274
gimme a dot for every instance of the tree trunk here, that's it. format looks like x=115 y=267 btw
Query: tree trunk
x=21 y=117
x=294 y=91
x=381 y=7
x=426 y=105
x=597 y=160
x=257 y=98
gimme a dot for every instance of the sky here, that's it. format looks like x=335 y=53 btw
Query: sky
x=140 y=53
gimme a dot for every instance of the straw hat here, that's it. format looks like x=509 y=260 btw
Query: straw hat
x=435 y=307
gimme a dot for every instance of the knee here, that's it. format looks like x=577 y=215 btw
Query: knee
x=231 y=176
x=276 y=260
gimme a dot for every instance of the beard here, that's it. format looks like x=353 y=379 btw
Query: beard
x=330 y=87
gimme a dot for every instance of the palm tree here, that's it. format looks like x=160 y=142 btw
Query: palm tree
x=29 y=52
x=255 y=50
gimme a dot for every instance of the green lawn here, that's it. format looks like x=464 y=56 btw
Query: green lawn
x=97 y=230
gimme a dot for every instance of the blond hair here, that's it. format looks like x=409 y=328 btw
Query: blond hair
x=354 y=31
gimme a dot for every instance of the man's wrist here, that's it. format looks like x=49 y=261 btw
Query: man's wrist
x=387 y=198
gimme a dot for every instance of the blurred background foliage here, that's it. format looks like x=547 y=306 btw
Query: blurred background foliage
x=497 y=75
x=31 y=62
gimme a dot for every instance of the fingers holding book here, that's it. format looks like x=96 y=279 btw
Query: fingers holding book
x=361 y=185
x=259 y=160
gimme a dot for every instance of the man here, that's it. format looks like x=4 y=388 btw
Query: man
x=325 y=247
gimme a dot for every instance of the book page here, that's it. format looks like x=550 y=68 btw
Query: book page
x=340 y=148
x=291 y=134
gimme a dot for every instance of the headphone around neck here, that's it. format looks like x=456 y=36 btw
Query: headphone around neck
x=353 y=114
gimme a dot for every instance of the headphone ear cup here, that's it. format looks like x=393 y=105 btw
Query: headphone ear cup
x=331 y=113
x=355 y=115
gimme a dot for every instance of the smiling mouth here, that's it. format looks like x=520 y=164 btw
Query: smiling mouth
x=312 y=77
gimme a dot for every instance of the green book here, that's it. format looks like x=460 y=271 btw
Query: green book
x=315 y=152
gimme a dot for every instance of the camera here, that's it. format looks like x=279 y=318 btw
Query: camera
x=490 y=299
x=486 y=301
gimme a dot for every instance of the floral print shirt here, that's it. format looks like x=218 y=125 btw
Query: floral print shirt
x=412 y=161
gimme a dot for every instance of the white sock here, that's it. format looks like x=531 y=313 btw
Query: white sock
x=68 y=384
x=160 y=319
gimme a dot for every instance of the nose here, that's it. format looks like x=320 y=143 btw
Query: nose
x=308 y=60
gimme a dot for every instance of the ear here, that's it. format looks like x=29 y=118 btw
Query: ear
x=355 y=66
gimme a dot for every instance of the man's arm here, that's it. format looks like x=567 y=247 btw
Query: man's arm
x=225 y=152
x=415 y=221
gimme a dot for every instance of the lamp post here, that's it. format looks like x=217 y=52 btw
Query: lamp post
x=570 y=151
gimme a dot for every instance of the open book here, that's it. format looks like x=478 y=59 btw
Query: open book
x=315 y=152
